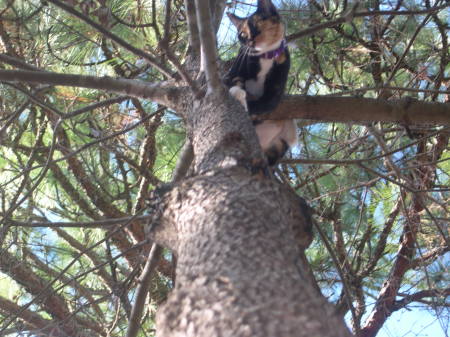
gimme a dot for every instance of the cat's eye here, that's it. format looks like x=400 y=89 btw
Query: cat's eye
x=243 y=35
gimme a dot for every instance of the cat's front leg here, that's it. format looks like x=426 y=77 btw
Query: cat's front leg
x=240 y=94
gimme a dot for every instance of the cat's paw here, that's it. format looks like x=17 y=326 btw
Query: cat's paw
x=239 y=94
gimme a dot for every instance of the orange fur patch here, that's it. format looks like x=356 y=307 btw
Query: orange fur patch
x=245 y=29
x=281 y=58
x=272 y=30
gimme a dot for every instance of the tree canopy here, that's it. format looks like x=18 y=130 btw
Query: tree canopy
x=90 y=124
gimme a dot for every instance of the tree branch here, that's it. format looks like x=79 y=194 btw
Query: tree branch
x=161 y=93
x=420 y=295
x=429 y=257
x=101 y=223
x=208 y=45
x=16 y=62
x=359 y=109
x=217 y=8
x=142 y=290
x=31 y=319
x=194 y=39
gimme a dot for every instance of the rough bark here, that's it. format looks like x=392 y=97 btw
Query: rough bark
x=240 y=270
x=239 y=238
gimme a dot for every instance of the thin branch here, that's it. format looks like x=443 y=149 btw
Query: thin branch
x=419 y=296
x=142 y=290
x=80 y=289
x=97 y=105
x=358 y=91
x=429 y=257
x=184 y=161
x=34 y=284
x=381 y=244
x=12 y=118
x=329 y=24
x=18 y=63
x=345 y=285
x=408 y=47
x=102 y=223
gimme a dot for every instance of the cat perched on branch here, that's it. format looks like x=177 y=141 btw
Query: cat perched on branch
x=258 y=76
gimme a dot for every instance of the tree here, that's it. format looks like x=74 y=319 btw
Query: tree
x=98 y=98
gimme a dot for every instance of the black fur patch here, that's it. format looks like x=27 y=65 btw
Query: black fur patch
x=275 y=153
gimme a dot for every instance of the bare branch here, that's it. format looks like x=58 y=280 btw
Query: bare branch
x=429 y=257
x=419 y=296
x=142 y=290
x=408 y=47
x=208 y=41
x=162 y=93
x=217 y=8
x=17 y=63
x=194 y=39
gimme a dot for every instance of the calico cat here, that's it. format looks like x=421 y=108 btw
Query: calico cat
x=258 y=76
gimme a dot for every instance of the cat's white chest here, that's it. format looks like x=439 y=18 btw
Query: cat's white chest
x=256 y=88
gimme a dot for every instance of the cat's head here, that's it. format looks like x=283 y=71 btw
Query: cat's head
x=263 y=30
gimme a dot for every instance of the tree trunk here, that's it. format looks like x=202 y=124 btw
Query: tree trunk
x=239 y=239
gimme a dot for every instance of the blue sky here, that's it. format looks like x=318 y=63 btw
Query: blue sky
x=415 y=323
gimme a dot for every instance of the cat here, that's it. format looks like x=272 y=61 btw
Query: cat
x=258 y=76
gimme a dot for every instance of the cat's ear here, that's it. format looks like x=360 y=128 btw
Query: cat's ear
x=266 y=6
x=236 y=20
